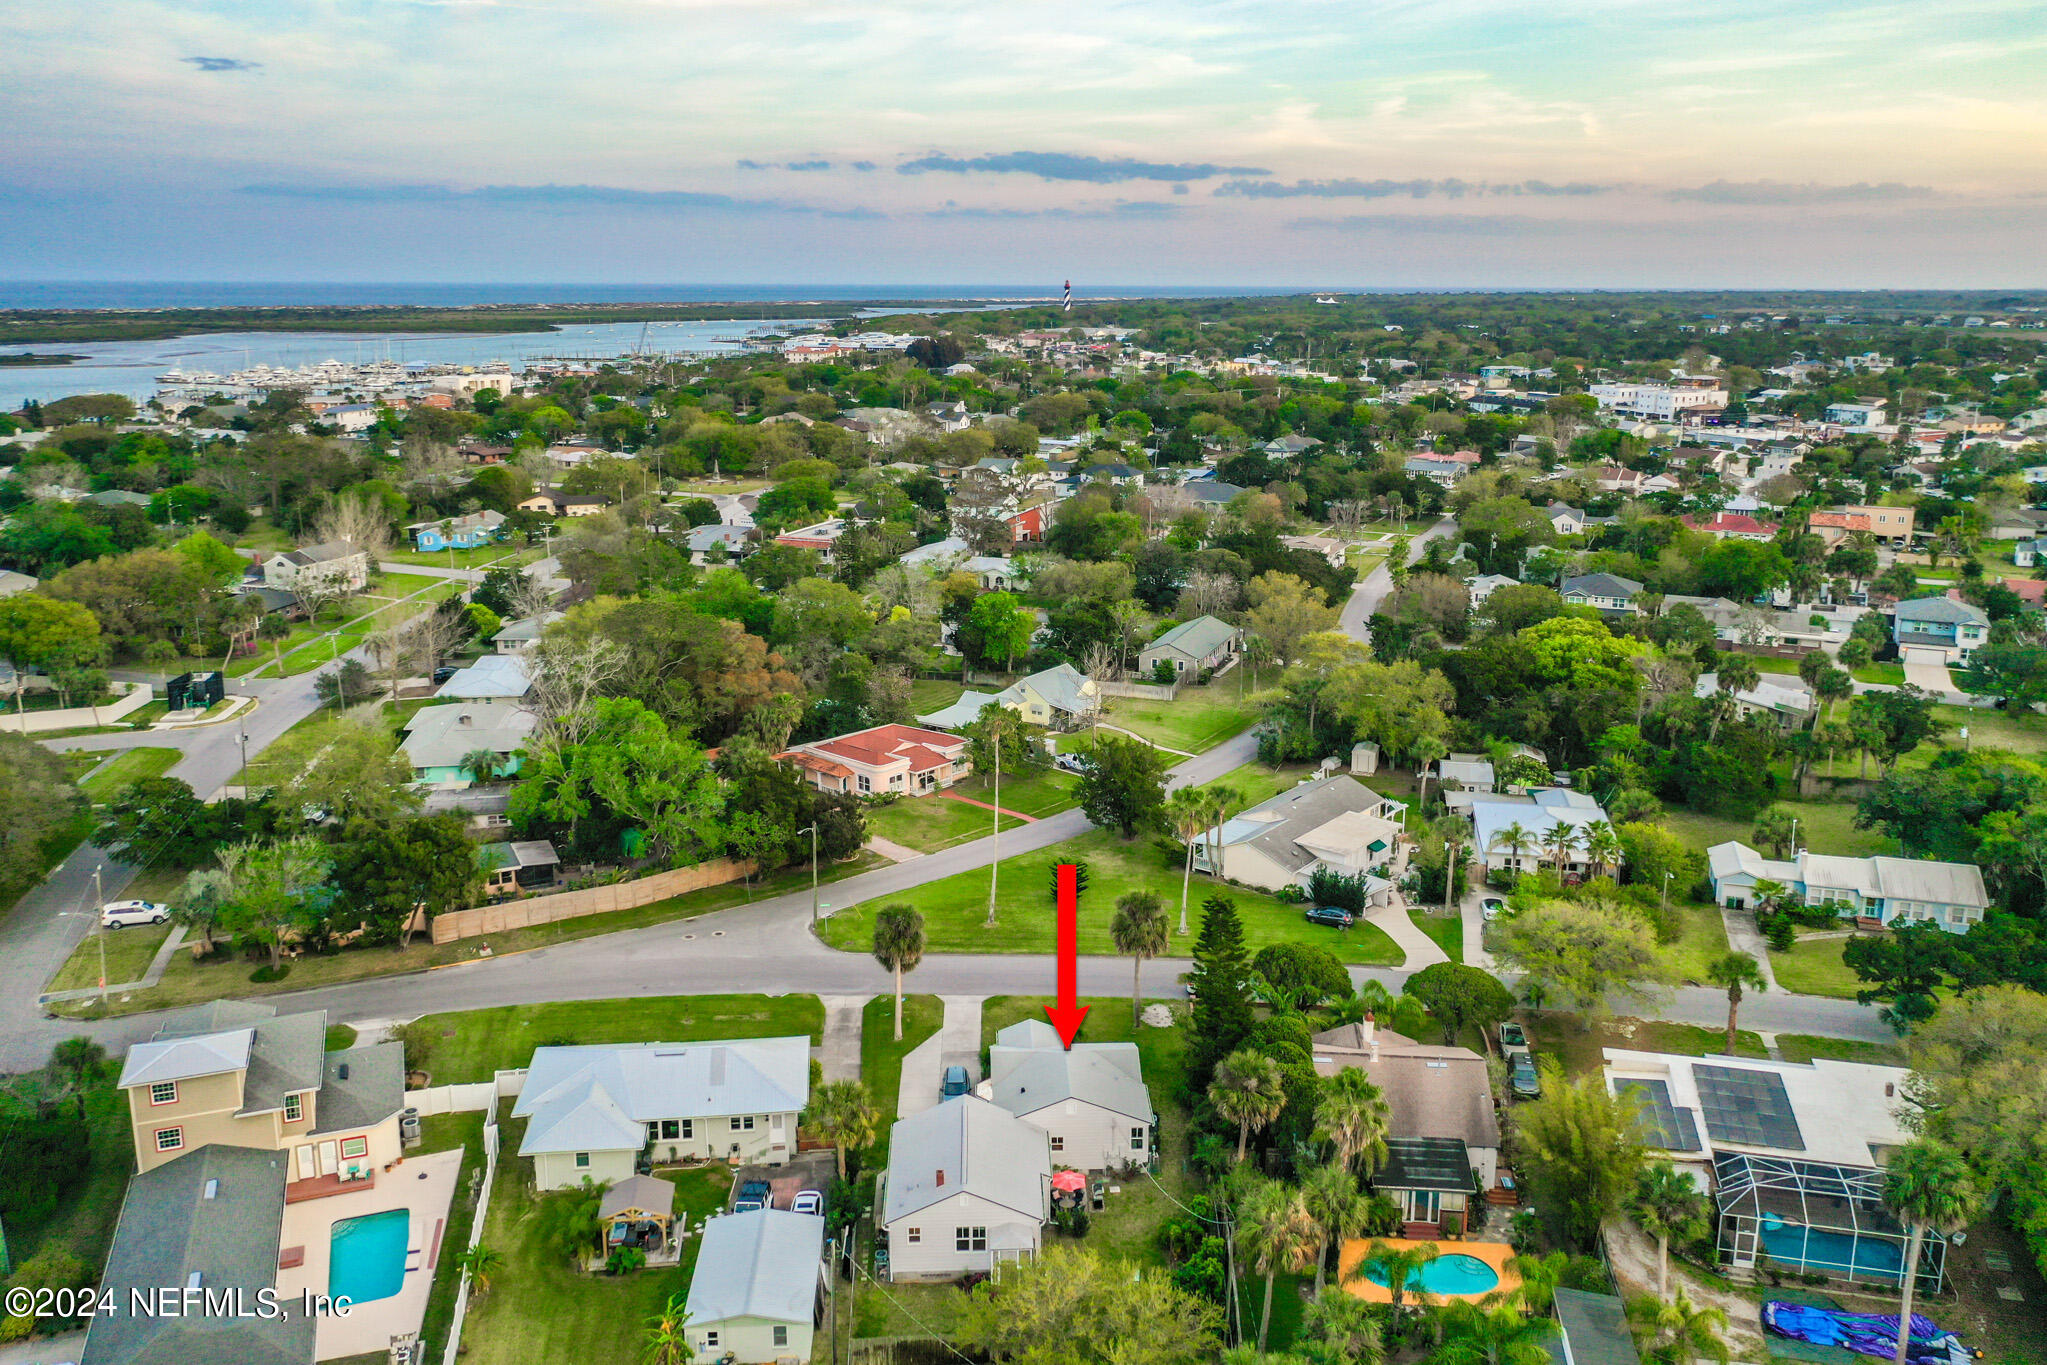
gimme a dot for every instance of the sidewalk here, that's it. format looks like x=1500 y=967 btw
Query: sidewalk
x=170 y=945
x=970 y=801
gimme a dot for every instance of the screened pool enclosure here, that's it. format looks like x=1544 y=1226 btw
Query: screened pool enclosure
x=1813 y=1218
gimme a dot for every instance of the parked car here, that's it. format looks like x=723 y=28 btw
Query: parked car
x=752 y=1195
x=955 y=1083
x=1513 y=1038
x=1330 y=914
x=1492 y=906
x=1072 y=763
x=807 y=1201
x=1522 y=1077
x=444 y=672
x=121 y=914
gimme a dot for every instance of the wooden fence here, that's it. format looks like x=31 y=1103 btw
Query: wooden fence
x=594 y=900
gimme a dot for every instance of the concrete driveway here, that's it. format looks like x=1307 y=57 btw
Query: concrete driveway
x=1923 y=668
x=923 y=1070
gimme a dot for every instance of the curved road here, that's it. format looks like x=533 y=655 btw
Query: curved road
x=1372 y=589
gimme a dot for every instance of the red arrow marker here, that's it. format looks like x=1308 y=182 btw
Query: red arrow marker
x=1067 y=1015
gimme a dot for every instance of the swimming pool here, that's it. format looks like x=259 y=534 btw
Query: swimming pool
x=1452 y=1274
x=366 y=1256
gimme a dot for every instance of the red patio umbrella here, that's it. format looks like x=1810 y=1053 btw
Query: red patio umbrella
x=1070 y=1182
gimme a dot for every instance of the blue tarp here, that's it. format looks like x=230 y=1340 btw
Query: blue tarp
x=1870 y=1334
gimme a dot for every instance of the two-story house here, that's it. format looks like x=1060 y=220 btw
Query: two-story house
x=245 y=1076
x=331 y=566
x=887 y=758
x=1942 y=630
x=591 y=1111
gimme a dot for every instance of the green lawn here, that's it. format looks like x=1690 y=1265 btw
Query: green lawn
x=930 y=823
x=186 y=982
x=539 y=1308
x=129 y=952
x=1801 y=1047
x=934 y=694
x=341 y=627
x=482 y=557
x=443 y=1133
x=1565 y=1037
x=340 y=1037
x=473 y=1044
x=131 y=765
x=956 y=907
x=881 y=1056
x=1199 y=718
x=1823 y=827
x=1814 y=967
x=1446 y=930
x=1765 y=664
x=1036 y=792
x=1894 y=674
x=2020 y=734
x=1704 y=938
x=1255 y=782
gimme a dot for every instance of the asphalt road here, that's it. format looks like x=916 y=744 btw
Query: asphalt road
x=1372 y=589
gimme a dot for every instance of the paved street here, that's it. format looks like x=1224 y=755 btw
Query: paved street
x=1373 y=588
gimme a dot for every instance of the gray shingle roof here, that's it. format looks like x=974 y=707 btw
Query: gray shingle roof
x=967 y=1144
x=760 y=1264
x=1273 y=825
x=170 y=1231
x=1602 y=585
x=442 y=736
x=1596 y=1328
x=1030 y=1070
x=1197 y=639
x=373 y=1091
x=1430 y=1091
x=1943 y=609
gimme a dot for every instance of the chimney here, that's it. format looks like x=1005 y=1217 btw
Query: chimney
x=941 y=1177
x=1371 y=1028
x=462 y=719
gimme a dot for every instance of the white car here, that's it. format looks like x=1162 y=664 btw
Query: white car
x=807 y=1201
x=121 y=914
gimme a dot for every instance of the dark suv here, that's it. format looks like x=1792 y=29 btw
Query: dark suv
x=1330 y=914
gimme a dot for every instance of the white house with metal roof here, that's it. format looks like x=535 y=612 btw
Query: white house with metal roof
x=504 y=676
x=1204 y=642
x=968 y=1186
x=1890 y=890
x=591 y=1110
x=759 y=1279
x=1090 y=1099
x=1539 y=812
x=1335 y=823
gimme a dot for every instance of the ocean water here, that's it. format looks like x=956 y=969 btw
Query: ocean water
x=277 y=294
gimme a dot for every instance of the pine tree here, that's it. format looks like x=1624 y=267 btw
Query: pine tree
x=1222 y=990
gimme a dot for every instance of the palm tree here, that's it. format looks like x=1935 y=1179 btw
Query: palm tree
x=668 y=1334
x=1560 y=840
x=1351 y=1115
x=1339 y=1208
x=899 y=946
x=1187 y=812
x=1929 y=1188
x=1248 y=1091
x=1275 y=1233
x=1478 y=1335
x=1775 y=829
x=569 y=1221
x=1679 y=1330
x=1731 y=972
x=480 y=1262
x=1514 y=838
x=1540 y=1276
x=844 y=1114
x=1397 y=1265
x=1602 y=846
x=1138 y=931
x=1222 y=800
x=1666 y=1204
x=480 y=764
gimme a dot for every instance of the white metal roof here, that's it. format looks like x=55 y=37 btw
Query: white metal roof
x=597 y=1098
x=967 y=1144
x=1030 y=1069
x=759 y=1264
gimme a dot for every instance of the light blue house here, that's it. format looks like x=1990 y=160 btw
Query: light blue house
x=458 y=533
x=441 y=741
x=1889 y=890
x=1941 y=629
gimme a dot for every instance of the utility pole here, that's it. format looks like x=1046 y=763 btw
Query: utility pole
x=995 y=729
x=100 y=930
x=1450 y=877
x=812 y=832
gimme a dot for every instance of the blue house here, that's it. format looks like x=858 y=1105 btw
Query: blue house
x=1941 y=629
x=458 y=533
x=1890 y=891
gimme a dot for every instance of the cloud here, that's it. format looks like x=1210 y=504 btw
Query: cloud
x=1122 y=208
x=1443 y=224
x=1067 y=166
x=1412 y=189
x=747 y=165
x=542 y=197
x=1781 y=192
x=861 y=165
x=221 y=63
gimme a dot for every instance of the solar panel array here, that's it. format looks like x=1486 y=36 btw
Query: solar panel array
x=1751 y=1108
x=1669 y=1127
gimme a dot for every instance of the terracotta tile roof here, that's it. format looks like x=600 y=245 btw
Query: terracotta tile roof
x=815 y=763
x=1846 y=521
x=885 y=744
x=1734 y=523
x=2030 y=590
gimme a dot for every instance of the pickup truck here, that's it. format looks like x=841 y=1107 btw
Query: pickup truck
x=752 y=1195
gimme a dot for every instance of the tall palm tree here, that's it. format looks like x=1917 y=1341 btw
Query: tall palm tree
x=1351 y=1115
x=1397 y=1266
x=668 y=1334
x=1679 y=1330
x=1666 y=1204
x=1930 y=1188
x=1187 y=811
x=1249 y=1091
x=1339 y=1208
x=1731 y=972
x=1514 y=838
x=1222 y=800
x=1602 y=846
x=1475 y=1334
x=1559 y=842
x=899 y=946
x=1138 y=931
x=80 y=1061
x=1275 y=1233
x=843 y=1114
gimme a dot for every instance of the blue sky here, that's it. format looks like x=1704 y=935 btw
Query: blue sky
x=1323 y=143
